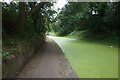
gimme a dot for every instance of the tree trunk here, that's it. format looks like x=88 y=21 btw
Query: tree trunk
x=22 y=17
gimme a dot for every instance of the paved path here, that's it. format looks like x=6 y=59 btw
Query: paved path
x=49 y=62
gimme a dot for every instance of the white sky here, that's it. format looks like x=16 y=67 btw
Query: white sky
x=8 y=1
x=60 y=4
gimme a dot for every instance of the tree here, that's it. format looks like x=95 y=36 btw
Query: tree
x=26 y=16
x=95 y=20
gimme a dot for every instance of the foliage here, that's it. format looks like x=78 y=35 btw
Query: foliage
x=24 y=21
x=5 y=55
x=24 y=17
x=98 y=21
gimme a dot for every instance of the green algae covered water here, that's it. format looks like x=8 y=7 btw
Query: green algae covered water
x=89 y=59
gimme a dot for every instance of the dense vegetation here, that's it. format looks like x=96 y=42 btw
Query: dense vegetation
x=31 y=20
x=24 y=21
x=25 y=24
x=98 y=21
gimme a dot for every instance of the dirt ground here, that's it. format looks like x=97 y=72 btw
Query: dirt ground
x=48 y=62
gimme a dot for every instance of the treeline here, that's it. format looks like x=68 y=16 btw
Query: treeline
x=26 y=19
x=24 y=23
x=99 y=21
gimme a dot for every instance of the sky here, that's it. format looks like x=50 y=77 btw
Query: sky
x=60 y=4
